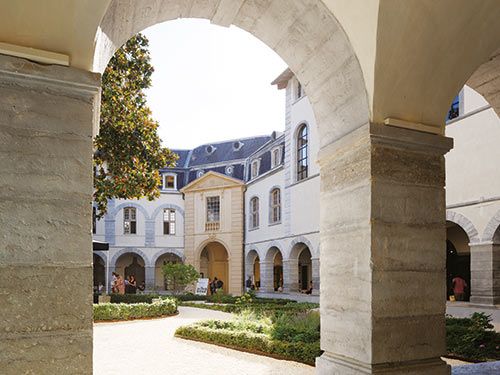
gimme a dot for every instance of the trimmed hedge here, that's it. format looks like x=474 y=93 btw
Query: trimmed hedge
x=129 y=311
x=259 y=307
x=148 y=298
x=258 y=343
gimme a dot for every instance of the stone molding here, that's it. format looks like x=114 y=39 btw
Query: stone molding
x=491 y=228
x=465 y=224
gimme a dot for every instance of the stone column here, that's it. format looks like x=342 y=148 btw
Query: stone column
x=266 y=277
x=48 y=115
x=149 y=276
x=382 y=253
x=315 y=276
x=485 y=273
x=291 y=275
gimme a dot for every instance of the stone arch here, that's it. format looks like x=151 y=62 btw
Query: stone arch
x=463 y=223
x=136 y=251
x=121 y=206
x=252 y=268
x=159 y=253
x=307 y=36
x=202 y=245
x=102 y=255
x=490 y=233
x=305 y=241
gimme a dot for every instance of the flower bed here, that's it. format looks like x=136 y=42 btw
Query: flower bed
x=129 y=311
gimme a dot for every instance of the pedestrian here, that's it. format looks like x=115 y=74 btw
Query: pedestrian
x=459 y=286
x=248 y=283
x=213 y=286
x=219 y=284
x=120 y=284
x=132 y=285
x=113 y=283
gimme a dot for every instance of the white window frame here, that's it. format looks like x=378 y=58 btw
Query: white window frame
x=208 y=218
x=277 y=162
x=275 y=207
x=164 y=181
x=129 y=217
x=254 y=213
x=170 y=221
x=254 y=173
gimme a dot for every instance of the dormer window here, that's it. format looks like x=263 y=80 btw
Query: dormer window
x=169 y=181
x=254 y=169
x=237 y=145
x=275 y=157
x=210 y=149
x=229 y=170
x=200 y=173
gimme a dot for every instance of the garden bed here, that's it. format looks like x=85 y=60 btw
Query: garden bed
x=106 y=312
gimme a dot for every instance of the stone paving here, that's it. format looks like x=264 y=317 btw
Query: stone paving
x=148 y=347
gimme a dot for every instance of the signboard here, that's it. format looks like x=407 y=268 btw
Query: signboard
x=201 y=287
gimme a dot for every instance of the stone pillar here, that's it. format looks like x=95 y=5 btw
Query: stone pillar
x=315 y=276
x=48 y=115
x=485 y=273
x=266 y=276
x=291 y=275
x=382 y=253
x=149 y=276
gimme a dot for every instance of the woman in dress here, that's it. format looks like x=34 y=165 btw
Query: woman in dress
x=120 y=285
x=132 y=285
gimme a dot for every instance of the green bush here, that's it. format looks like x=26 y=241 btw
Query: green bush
x=472 y=338
x=179 y=275
x=147 y=298
x=124 y=311
x=303 y=327
x=254 y=342
x=220 y=297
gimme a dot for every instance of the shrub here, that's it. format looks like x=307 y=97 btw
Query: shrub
x=472 y=338
x=179 y=275
x=132 y=298
x=259 y=343
x=303 y=327
x=123 y=311
x=221 y=297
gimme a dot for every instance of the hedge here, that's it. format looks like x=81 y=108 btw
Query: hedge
x=129 y=311
x=148 y=298
x=259 y=307
x=253 y=342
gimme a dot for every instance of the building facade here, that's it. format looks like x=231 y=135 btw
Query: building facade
x=249 y=208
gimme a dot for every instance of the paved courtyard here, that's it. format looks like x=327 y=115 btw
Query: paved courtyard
x=149 y=347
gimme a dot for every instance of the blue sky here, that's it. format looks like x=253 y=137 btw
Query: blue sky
x=212 y=83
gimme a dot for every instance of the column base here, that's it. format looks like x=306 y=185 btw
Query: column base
x=329 y=364
x=485 y=300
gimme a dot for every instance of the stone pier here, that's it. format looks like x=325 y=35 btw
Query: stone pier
x=48 y=115
x=485 y=273
x=382 y=253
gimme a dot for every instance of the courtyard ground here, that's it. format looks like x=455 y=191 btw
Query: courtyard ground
x=149 y=347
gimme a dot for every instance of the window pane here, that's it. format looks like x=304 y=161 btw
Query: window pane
x=132 y=227
x=172 y=215
x=132 y=213
x=166 y=228
x=172 y=228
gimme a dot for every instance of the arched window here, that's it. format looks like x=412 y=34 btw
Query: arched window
x=302 y=161
x=129 y=220
x=254 y=213
x=275 y=206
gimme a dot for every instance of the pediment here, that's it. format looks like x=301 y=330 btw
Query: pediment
x=212 y=180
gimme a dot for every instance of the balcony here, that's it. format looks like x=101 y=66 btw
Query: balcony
x=212 y=226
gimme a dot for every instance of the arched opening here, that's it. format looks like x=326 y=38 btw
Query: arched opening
x=160 y=282
x=214 y=263
x=99 y=272
x=275 y=259
x=305 y=270
x=253 y=269
x=457 y=262
x=129 y=264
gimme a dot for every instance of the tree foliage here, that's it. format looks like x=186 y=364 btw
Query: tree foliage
x=128 y=149
x=179 y=275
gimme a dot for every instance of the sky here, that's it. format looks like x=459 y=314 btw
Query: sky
x=212 y=84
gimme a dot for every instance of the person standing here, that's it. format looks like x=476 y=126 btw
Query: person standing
x=120 y=285
x=459 y=286
x=248 y=283
x=113 y=283
x=132 y=284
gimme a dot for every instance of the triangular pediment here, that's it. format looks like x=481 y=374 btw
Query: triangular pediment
x=212 y=180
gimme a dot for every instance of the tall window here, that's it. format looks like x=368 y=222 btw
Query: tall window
x=254 y=212
x=302 y=162
x=254 y=171
x=275 y=157
x=299 y=90
x=168 y=181
x=129 y=220
x=168 y=221
x=213 y=209
x=275 y=214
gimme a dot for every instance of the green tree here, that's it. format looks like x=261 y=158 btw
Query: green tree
x=128 y=149
x=179 y=276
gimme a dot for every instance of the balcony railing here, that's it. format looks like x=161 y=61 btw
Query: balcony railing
x=212 y=226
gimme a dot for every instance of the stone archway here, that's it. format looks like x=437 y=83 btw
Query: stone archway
x=160 y=283
x=214 y=263
x=252 y=268
x=458 y=258
x=131 y=263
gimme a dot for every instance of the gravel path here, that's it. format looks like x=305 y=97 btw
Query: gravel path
x=148 y=347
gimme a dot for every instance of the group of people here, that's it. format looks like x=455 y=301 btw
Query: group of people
x=128 y=285
x=249 y=285
x=214 y=285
